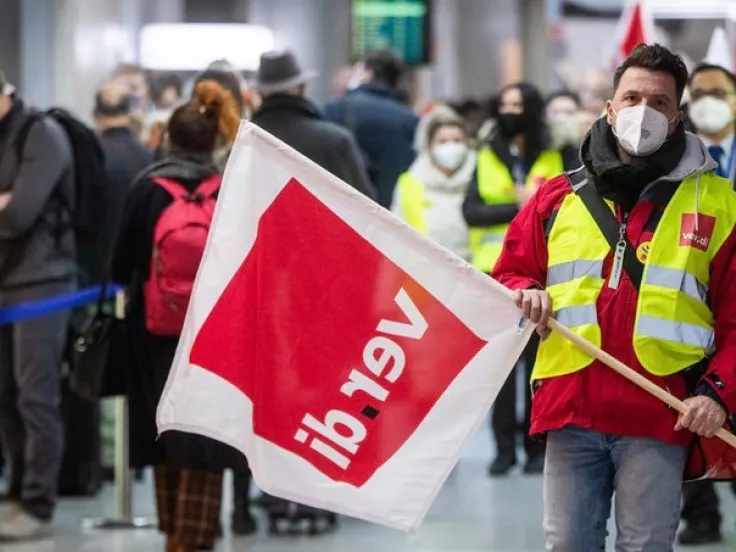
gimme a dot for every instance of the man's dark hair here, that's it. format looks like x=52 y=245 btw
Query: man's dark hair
x=655 y=57
x=104 y=108
x=387 y=67
x=563 y=94
x=466 y=107
x=703 y=67
x=165 y=81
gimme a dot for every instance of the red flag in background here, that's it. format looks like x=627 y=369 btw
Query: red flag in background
x=635 y=27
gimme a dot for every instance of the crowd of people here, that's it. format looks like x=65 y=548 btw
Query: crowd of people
x=467 y=174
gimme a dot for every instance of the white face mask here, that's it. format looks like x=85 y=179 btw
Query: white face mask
x=450 y=155
x=640 y=130
x=710 y=115
x=565 y=130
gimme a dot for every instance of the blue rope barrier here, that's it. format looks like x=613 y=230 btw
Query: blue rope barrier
x=36 y=309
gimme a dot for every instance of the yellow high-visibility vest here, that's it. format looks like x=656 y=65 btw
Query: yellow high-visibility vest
x=674 y=324
x=496 y=186
x=412 y=201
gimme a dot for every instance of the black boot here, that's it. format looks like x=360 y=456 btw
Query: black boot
x=534 y=465
x=501 y=466
x=701 y=532
x=243 y=522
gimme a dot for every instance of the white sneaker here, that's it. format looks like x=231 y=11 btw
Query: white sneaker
x=23 y=526
x=11 y=510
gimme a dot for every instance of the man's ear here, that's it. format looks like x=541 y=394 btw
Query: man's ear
x=610 y=113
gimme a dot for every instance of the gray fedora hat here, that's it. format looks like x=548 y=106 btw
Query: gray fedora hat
x=279 y=71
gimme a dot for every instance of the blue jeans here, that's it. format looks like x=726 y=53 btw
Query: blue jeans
x=583 y=471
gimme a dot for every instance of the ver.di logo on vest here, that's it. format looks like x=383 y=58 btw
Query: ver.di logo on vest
x=699 y=239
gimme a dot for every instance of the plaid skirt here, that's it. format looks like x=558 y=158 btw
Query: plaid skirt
x=188 y=503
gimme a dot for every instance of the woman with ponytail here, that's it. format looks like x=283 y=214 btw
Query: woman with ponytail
x=156 y=236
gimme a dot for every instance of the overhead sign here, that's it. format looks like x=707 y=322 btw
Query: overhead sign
x=398 y=25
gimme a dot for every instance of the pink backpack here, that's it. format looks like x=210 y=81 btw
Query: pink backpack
x=179 y=239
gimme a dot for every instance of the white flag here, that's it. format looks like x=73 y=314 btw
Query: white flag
x=346 y=355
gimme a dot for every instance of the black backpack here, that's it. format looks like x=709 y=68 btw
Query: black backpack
x=89 y=215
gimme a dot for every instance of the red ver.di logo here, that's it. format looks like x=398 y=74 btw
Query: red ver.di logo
x=698 y=238
x=342 y=353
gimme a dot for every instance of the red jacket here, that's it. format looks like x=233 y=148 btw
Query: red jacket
x=596 y=397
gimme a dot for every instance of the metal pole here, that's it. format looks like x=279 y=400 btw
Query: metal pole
x=123 y=483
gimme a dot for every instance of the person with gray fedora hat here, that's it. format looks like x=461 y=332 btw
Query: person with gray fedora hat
x=279 y=71
x=291 y=117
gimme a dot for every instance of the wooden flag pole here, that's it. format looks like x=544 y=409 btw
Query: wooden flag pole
x=631 y=375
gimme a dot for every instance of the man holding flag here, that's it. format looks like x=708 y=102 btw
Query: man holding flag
x=649 y=281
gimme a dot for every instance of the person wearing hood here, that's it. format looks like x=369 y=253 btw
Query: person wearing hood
x=429 y=195
x=512 y=163
x=188 y=468
x=712 y=113
x=657 y=292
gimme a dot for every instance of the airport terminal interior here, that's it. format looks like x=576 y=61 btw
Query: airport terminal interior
x=457 y=54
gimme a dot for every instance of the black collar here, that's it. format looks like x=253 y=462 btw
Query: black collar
x=288 y=102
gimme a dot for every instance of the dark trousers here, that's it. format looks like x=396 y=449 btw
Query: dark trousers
x=30 y=399
x=504 y=422
x=700 y=504
x=241 y=492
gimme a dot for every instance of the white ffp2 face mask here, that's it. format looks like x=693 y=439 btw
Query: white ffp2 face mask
x=640 y=130
x=710 y=115
x=450 y=155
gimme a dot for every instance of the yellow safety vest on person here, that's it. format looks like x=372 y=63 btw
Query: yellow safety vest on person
x=674 y=324
x=496 y=186
x=412 y=201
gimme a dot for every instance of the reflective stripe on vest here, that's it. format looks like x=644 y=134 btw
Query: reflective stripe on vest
x=680 y=280
x=676 y=332
x=565 y=272
x=412 y=202
x=674 y=326
x=496 y=187
x=573 y=317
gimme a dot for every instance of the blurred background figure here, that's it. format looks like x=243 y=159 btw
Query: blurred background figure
x=135 y=78
x=429 y=196
x=125 y=157
x=711 y=112
x=375 y=113
x=473 y=114
x=167 y=91
x=341 y=82
x=563 y=118
x=291 y=117
x=188 y=469
x=512 y=163
x=114 y=119
x=597 y=89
